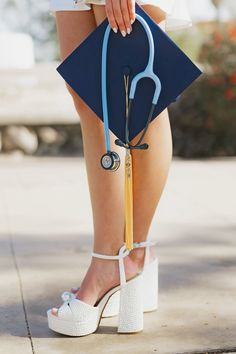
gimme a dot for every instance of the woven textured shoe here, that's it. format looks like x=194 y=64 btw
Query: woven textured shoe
x=77 y=318
x=150 y=284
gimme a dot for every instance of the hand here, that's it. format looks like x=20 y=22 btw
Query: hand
x=120 y=14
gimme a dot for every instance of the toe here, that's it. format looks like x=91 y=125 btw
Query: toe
x=74 y=290
x=54 y=311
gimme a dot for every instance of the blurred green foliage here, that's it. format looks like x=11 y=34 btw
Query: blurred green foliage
x=204 y=118
x=189 y=41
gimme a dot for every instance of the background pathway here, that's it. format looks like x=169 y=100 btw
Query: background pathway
x=45 y=244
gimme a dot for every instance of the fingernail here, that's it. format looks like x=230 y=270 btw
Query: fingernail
x=115 y=29
x=132 y=21
x=128 y=30
x=123 y=33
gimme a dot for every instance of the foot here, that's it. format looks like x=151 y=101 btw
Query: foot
x=137 y=257
x=101 y=276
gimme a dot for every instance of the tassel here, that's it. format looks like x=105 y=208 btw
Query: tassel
x=128 y=201
x=128 y=183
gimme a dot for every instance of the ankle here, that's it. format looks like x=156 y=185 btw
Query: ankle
x=111 y=267
x=137 y=256
x=107 y=249
x=102 y=266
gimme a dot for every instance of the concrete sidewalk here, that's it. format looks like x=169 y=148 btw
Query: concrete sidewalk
x=46 y=239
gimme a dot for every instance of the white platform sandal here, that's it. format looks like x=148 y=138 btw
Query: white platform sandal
x=77 y=318
x=150 y=284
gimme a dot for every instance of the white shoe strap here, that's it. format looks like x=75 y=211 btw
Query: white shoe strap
x=146 y=244
x=123 y=252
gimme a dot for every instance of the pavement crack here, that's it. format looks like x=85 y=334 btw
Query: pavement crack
x=21 y=292
x=211 y=351
x=13 y=253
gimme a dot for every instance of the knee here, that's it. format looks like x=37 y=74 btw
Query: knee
x=80 y=105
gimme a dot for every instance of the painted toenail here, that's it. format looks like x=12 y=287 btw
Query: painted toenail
x=54 y=311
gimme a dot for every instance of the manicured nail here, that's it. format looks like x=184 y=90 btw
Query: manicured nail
x=115 y=29
x=128 y=30
x=123 y=33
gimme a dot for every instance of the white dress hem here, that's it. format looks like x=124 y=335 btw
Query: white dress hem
x=177 y=13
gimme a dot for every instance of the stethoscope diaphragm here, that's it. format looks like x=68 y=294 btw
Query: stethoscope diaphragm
x=110 y=161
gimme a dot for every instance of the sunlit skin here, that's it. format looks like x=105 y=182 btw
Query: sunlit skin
x=150 y=167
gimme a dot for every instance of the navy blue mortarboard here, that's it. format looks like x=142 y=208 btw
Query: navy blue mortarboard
x=82 y=71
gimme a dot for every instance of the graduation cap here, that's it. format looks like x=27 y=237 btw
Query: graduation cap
x=128 y=81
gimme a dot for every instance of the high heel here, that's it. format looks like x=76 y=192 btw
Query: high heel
x=150 y=277
x=77 y=318
x=150 y=284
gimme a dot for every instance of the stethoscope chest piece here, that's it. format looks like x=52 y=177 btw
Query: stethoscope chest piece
x=110 y=161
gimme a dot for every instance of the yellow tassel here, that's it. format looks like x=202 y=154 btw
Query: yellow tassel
x=128 y=201
x=128 y=184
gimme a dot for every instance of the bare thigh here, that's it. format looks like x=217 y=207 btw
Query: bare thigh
x=72 y=28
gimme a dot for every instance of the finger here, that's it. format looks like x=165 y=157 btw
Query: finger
x=118 y=16
x=126 y=16
x=131 y=8
x=110 y=16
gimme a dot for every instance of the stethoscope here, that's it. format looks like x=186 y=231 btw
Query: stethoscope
x=111 y=160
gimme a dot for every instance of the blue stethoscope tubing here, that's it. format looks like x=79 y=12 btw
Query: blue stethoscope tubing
x=148 y=72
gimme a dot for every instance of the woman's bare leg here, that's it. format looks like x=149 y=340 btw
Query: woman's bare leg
x=150 y=171
x=106 y=187
x=151 y=166
x=106 y=190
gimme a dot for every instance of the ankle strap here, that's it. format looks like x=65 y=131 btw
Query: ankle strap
x=146 y=244
x=123 y=252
